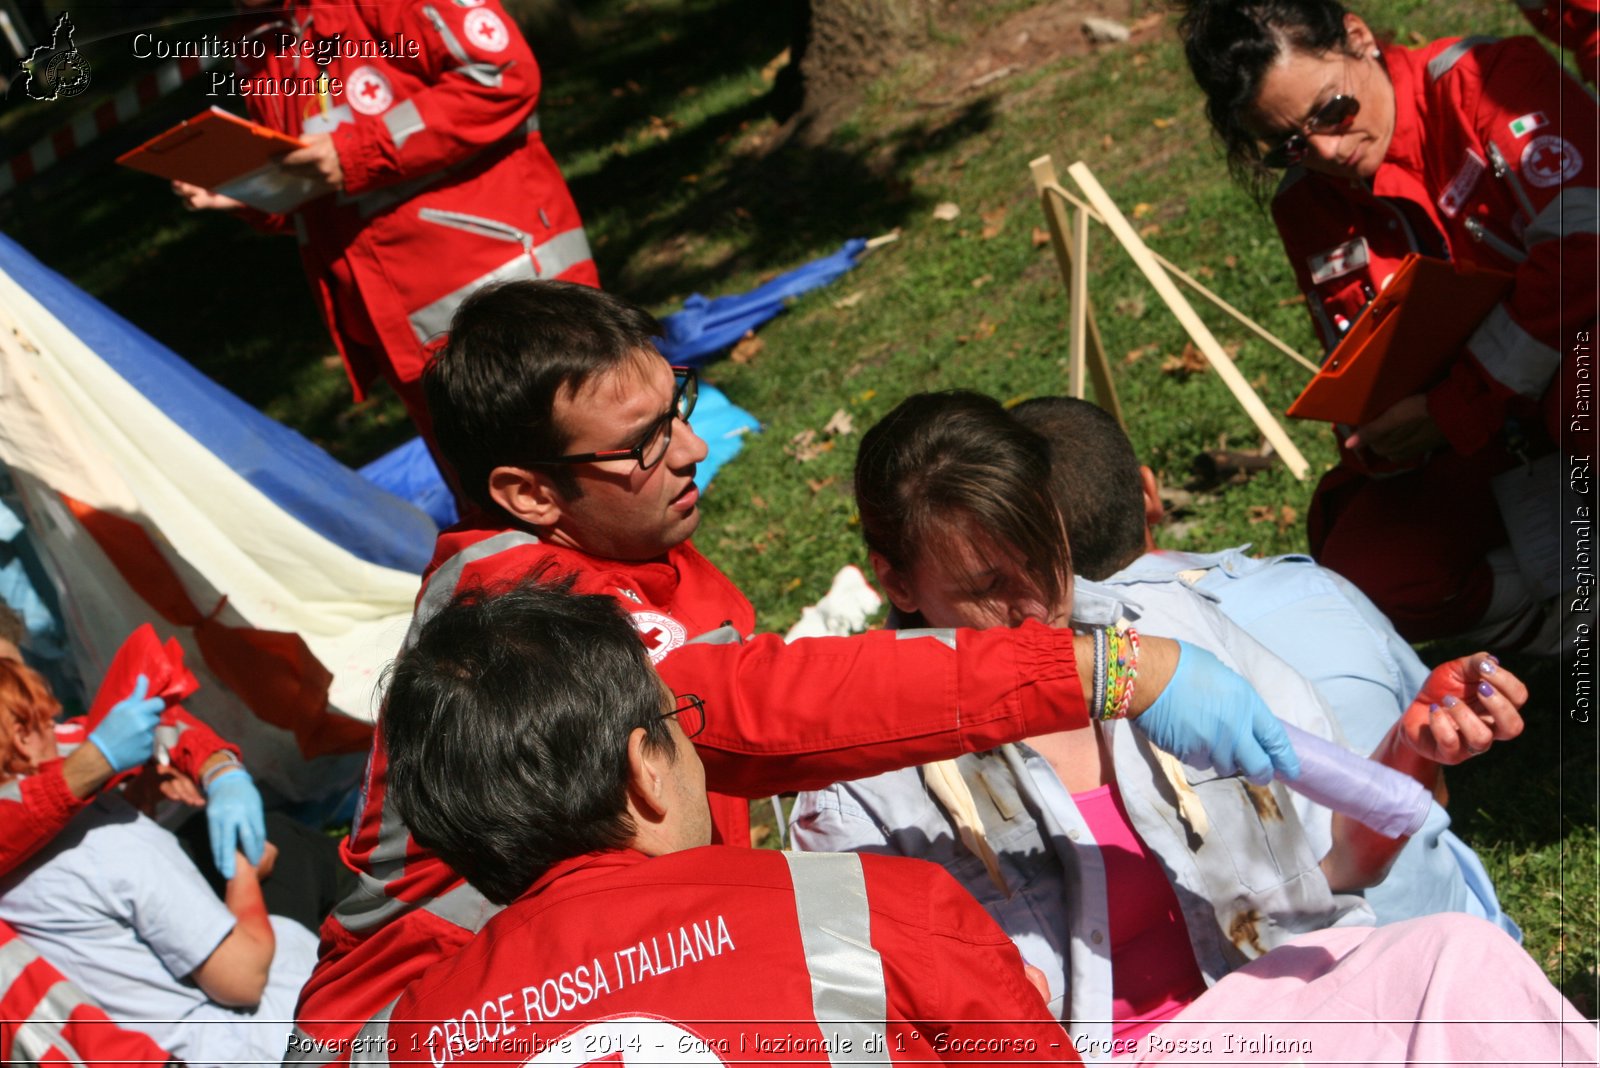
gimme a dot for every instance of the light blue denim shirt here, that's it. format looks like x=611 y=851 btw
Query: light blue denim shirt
x=1248 y=883
x=1328 y=631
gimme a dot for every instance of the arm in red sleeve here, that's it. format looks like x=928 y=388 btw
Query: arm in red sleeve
x=803 y=715
x=954 y=980
x=33 y=810
x=483 y=84
x=196 y=742
x=1518 y=349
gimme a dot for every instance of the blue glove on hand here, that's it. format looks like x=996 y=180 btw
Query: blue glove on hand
x=127 y=736
x=234 y=819
x=1207 y=713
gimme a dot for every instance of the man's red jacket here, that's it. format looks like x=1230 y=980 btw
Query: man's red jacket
x=779 y=717
x=730 y=955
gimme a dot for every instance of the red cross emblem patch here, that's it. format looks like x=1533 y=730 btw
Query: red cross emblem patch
x=486 y=31
x=1550 y=160
x=368 y=91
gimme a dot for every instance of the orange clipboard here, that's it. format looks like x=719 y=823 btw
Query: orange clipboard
x=1404 y=340
x=221 y=152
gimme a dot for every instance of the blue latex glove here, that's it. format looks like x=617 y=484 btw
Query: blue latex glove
x=1208 y=713
x=127 y=736
x=234 y=820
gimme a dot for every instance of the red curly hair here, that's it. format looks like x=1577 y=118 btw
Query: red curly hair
x=25 y=702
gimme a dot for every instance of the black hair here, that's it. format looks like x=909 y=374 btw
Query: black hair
x=938 y=457
x=506 y=727
x=1094 y=478
x=512 y=348
x=1231 y=43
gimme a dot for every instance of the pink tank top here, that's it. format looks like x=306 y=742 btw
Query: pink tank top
x=1153 y=972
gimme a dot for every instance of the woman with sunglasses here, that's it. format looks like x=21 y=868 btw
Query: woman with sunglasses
x=1474 y=150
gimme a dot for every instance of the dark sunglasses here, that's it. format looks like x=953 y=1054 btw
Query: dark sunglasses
x=1334 y=116
x=658 y=437
x=691 y=713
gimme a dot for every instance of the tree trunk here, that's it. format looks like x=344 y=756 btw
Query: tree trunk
x=841 y=45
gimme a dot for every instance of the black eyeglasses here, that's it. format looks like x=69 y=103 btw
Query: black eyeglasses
x=658 y=437
x=1334 y=116
x=691 y=713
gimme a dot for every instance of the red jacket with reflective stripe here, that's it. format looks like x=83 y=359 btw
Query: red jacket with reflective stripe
x=45 y=1019
x=621 y=957
x=779 y=717
x=1459 y=106
x=446 y=186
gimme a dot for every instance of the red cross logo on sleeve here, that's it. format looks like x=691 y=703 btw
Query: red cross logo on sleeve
x=660 y=633
x=485 y=30
x=369 y=92
x=1550 y=160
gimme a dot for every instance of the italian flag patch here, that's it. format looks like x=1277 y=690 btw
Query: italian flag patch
x=1528 y=123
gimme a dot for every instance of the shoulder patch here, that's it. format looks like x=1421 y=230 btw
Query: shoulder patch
x=1550 y=160
x=1455 y=194
x=486 y=31
x=1524 y=125
x=661 y=633
x=368 y=91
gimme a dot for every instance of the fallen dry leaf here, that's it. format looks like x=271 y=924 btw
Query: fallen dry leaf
x=817 y=485
x=1289 y=302
x=1155 y=18
x=1261 y=513
x=1161 y=124
x=1130 y=307
x=774 y=65
x=1140 y=210
x=1149 y=230
x=1135 y=355
x=792 y=585
x=985 y=330
x=1107 y=141
x=947 y=211
x=993 y=222
x=748 y=348
x=1189 y=362
x=982 y=280
x=1230 y=262
x=1203 y=271
x=851 y=301
x=839 y=424
x=758 y=502
x=1041 y=237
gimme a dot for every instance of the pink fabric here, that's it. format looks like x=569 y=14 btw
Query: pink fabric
x=1446 y=989
x=1154 y=974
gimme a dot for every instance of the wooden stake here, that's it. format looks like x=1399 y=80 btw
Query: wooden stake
x=1092 y=351
x=1158 y=278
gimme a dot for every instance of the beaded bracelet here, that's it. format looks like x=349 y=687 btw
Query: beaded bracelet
x=1121 y=669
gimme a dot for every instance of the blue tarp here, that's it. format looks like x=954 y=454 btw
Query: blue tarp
x=295 y=474
x=706 y=327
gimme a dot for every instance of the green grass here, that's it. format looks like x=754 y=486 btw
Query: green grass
x=660 y=117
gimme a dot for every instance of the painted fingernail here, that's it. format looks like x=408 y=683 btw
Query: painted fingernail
x=1491 y=658
x=1485 y=689
x=1487 y=667
x=1433 y=709
x=1450 y=702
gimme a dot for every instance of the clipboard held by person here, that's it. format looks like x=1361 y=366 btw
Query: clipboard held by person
x=1404 y=341
x=219 y=151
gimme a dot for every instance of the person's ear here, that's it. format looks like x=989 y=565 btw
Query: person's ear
x=529 y=496
x=1359 y=39
x=893 y=584
x=647 y=778
x=1150 y=489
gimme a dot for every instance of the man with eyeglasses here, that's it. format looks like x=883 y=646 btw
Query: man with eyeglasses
x=570 y=432
x=533 y=747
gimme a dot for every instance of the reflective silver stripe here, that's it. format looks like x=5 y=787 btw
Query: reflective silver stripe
x=369 y=906
x=446 y=34
x=303 y=1049
x=1517 y=360
x=402 y=121
x=938 y=634
x=371 y=1044
x=485 y=74
x=848 y=995
x=1573 y=211
x=42 y=1034
x=11 y=790
x=1440 y=64
x=723 y=635
x=555 y=257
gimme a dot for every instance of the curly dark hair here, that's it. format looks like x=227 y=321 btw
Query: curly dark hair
x=1231 y=43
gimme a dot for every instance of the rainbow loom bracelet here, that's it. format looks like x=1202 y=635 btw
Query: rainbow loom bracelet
x=1121 y=669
